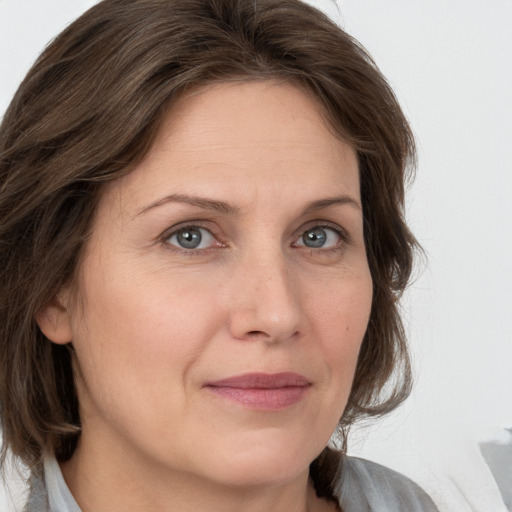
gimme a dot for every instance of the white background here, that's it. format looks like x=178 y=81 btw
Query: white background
x=450 y=63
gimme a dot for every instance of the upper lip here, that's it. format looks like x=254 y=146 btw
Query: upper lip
x=262 y=381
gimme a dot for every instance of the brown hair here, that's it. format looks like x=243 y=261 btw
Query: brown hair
x=89 y=110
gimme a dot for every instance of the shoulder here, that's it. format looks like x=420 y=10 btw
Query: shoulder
x=365 y=486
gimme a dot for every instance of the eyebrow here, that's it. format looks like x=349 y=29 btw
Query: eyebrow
x=200 y=202
x=332 y=201
x=230 y=209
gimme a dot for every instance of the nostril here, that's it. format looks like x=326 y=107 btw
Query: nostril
x=269 y=338
x=257 y=334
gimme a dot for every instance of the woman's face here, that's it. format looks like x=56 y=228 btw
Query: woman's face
x=225 y=292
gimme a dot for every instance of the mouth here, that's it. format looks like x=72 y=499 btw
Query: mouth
x=262 y=391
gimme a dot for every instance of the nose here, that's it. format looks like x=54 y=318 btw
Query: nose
x=265 y=300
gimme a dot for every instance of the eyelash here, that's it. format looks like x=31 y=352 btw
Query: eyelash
x=340 y=232
x=167 y=235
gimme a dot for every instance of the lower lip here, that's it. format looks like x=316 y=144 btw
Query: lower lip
x=267 y=399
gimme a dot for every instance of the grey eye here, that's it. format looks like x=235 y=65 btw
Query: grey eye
x=316 y=237
x=320 y=237
x=191 y=237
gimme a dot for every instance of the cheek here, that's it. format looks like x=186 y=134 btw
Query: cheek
x=136 y=336
x=135 y=358
x=340 y=318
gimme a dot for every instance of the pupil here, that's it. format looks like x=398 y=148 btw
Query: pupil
x=189 y=238
x=314 y=237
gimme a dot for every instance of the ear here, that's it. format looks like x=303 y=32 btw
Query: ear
x=54 y=319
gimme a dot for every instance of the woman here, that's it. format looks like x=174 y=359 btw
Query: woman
x=202 y=248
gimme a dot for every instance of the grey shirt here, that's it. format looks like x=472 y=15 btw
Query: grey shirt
x=363 y=486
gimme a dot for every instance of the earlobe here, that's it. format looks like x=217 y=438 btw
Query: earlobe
x=54 y=320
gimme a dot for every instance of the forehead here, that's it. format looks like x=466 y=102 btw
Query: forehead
x=252 y=112
x=244 y=137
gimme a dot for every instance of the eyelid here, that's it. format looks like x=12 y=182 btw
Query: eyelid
x=342 y=232
x=210 y=227
x=198 y=224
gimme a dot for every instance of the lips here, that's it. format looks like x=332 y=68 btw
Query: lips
x=262 y=391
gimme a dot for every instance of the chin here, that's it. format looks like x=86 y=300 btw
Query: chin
x=261 y=465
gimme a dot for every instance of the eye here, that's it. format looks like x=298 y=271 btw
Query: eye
x=320 y=237
x=191 y=237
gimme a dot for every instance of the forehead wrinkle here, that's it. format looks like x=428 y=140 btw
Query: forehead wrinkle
x=175 y=148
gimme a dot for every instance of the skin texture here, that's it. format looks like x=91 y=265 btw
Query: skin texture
x=155 y=322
